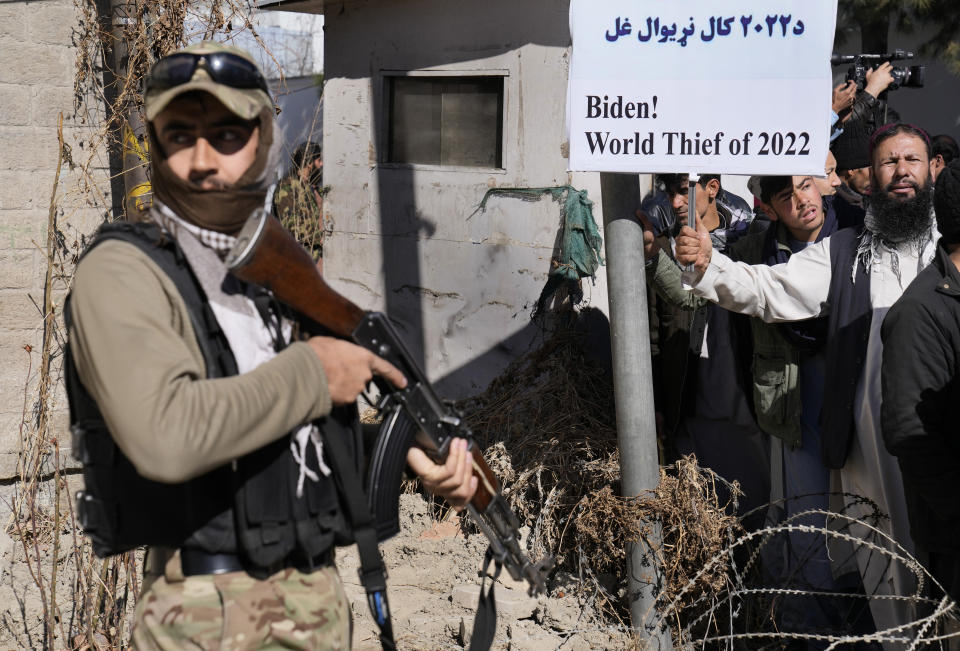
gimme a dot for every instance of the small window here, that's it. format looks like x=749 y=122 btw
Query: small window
x=455 y=121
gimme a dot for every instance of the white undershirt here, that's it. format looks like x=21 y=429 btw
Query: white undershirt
x=251 y=340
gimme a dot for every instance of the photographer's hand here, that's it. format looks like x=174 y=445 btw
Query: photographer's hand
x=843 y=96
x=879 y=79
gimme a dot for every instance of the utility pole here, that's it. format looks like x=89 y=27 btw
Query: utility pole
x=134 y=148
x=633 y=388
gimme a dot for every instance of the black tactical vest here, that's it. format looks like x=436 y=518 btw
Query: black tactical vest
x=248 y=507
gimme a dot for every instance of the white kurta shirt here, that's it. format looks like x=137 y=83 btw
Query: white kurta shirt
x=797 y=290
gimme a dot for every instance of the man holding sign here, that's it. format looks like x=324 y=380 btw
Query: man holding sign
x=699 y=391
x=852 y=278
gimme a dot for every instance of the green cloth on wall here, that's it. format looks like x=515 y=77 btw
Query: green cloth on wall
x=580 y=244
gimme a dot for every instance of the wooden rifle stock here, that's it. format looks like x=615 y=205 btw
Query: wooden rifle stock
x=272 y=258
x=267 y=255
x=279 y=263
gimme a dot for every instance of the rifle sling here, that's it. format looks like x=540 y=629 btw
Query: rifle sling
x=372 y=572
x=485 y=622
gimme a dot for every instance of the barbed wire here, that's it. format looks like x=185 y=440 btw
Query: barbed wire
x=711 y=619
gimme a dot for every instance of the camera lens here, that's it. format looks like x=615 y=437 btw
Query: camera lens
x=917 y=74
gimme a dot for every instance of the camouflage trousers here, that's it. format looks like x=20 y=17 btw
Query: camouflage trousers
x=234 y=611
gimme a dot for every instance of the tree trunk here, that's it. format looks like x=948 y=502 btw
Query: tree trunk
x=105 y=25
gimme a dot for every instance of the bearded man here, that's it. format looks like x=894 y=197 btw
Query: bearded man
x=852 y=278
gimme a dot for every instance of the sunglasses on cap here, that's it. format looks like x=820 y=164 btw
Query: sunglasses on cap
x=223 y=67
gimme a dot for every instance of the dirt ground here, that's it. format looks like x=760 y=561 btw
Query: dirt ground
x=433 y=591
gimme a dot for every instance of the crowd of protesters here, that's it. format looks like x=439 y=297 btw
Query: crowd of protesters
x=808 y=348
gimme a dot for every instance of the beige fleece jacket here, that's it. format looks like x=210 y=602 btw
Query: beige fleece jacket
x=136 y=353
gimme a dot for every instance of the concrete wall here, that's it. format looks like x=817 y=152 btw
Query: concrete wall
x=408 y=239
x=36 y=84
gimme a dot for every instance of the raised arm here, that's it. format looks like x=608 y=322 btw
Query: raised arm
x=662 y=272
x=793 y=291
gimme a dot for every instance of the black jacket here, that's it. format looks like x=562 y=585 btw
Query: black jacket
x=920 y=416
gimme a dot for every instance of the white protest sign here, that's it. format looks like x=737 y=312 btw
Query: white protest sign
x=709 y=86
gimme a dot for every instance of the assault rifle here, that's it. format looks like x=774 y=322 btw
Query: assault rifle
x=267 y=255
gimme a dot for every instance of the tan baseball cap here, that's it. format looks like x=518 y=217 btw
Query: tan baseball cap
x=247 y=103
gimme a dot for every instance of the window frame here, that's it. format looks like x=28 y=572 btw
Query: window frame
x=384 y=128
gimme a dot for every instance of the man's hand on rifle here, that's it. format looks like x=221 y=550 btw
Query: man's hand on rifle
x=350 y=368
x=453 y=480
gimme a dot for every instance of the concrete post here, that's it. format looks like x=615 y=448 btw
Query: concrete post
x=134 y=151
x=633 y=387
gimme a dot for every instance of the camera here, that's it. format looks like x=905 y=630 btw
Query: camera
x=903 y=76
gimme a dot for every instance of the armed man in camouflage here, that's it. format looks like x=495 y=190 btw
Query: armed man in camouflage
x=298 y=201
x=206 y=427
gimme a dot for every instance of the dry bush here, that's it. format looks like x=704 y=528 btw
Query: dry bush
x=303 y=217
x=696 y=529
x=547 y=429
x=547 y=426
